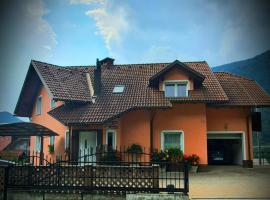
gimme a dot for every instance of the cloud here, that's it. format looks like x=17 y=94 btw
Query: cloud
x=86 y=1
x=25 y=35
x=247 y=34
x=111 y=21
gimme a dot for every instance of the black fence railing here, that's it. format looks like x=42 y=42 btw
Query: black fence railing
x=262 y=156
x=100 y=171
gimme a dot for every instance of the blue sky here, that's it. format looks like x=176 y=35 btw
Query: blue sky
x=76 y=32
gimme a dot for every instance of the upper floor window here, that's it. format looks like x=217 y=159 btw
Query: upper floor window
x=118 y=89
x=38 y=105
x=176 y=88
x=53 y=103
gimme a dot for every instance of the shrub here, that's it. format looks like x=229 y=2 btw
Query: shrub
x=110 y=157
x=172 y=154
x=51 y=149
x=135 y=149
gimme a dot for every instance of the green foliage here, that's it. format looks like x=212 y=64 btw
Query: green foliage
x=110 y=157
x=51 y=149
x=135 y=149
x=171 y=154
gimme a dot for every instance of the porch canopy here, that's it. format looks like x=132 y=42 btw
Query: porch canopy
x=25 y=129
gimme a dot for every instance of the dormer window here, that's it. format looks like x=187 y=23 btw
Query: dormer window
x=176 y=88
x=118 y=89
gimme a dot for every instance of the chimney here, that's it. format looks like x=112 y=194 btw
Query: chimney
x=107 y=61
x=97 y=78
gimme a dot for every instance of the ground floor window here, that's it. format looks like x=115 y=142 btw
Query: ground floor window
x=38 y=144
x=111 y=138
x=52 y=139
x=172 y=139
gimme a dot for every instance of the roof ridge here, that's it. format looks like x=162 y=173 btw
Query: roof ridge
x=62 y=66
x=236 y=75
x=155 y=63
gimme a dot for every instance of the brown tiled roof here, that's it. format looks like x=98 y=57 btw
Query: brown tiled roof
x=137 y=93
x=64 y=83
x=242 y=91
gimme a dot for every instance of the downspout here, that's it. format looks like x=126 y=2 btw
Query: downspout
x=152 y=117
x=41 y=156
x=70 y=143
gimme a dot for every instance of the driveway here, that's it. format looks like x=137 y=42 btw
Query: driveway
x=231 y=182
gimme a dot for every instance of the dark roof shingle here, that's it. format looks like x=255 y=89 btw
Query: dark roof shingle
x=242 y=91
x=137 y=93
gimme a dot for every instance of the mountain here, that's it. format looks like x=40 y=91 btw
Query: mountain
x=257 y=68
x=6 y=118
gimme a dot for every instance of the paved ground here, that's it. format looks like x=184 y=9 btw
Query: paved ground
x=231 y=182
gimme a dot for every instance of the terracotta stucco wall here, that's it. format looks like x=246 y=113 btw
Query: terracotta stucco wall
x=189 y=118
x=230 y=119
x=51 y=123
x=135 y=128
x=176 y=74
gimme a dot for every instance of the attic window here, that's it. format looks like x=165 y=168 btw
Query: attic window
x=118 y=89
x=176 y=88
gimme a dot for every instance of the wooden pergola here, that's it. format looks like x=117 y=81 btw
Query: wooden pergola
x=27 y=129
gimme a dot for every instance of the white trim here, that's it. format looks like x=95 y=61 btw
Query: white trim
x=182 y=139
x=115 y=136
x=175 y=88
x=235 y=132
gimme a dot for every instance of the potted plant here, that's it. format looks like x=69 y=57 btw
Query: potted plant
x=160 y=159
x=51 y=148
x=194 y=161
x=173 y=157
x=135 y=150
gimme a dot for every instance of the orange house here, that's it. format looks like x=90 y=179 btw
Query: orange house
x=157 y=105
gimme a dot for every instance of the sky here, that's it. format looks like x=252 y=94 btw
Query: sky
x=77 y=32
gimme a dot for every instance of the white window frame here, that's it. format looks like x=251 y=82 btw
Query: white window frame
x=114 y=133
x=39 y=97
x=67 y=146
x=52 y=100
x=117 y=91
x=175 y=82
x=52 y=140
x=182 y=136
x=38 y=143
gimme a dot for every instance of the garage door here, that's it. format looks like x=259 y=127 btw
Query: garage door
x=225 y=148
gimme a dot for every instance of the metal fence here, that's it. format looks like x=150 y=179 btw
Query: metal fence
x=261 y=156
x=103 y=171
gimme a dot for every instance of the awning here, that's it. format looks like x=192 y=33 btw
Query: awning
x=25 y=129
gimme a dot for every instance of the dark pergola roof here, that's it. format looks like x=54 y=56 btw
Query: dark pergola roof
x=25 y=129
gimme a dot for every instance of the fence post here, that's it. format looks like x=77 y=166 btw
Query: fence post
x=186 y=178
x=6 y=183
